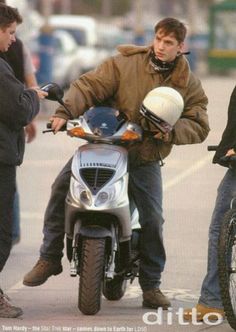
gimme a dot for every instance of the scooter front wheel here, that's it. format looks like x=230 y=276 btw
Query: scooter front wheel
x=227 y=266
x=91 y=275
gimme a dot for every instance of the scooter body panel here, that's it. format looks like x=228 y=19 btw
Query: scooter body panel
x=99 y=184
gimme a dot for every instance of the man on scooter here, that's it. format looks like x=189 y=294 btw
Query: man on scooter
x=122 y=82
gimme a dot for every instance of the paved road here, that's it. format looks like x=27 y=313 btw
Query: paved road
x=190 y=182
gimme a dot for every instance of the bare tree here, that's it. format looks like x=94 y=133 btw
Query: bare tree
x=106 y=8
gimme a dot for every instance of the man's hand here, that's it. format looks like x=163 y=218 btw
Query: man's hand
x=57 y=123
x=41 y=94
x=30 y=132
x=162 y=137
x=230 y=153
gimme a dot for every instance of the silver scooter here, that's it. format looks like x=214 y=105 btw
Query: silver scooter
x=102 y=234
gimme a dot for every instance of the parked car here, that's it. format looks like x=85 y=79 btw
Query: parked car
x=69 y=60
x=66 y=59
x=82 y=28
x=84 y=31
x=110 y=36
x=64 y=64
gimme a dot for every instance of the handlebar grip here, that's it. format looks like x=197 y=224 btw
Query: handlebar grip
x=49 y=126
x=50 y=130
x=212 y=147
x=228 y=158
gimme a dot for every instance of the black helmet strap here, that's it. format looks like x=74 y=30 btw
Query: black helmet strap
x=154 y=119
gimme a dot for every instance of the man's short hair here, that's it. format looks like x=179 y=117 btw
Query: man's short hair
x=9 y=15
x=173 y=26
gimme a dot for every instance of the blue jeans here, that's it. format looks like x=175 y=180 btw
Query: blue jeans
x=54 y=218
x=145 y=189
x=210 y=291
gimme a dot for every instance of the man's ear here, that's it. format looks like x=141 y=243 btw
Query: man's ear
x=181 y=47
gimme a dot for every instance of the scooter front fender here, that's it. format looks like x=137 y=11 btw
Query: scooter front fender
x=95 y=232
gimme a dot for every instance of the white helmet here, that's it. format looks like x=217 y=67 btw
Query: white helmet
x=163 y=107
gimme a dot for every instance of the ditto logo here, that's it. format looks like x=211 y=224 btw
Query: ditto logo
x=157 y=318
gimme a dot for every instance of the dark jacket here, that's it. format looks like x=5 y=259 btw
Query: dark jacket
x=17 y=108
x=228 y=140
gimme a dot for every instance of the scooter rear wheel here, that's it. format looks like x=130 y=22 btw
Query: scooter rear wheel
x=91 y=275
x=227 y=266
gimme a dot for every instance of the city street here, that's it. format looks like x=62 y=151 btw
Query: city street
x=190 y=181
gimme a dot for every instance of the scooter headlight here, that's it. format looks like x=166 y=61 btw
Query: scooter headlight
x=102 y=198
x=80 y=193
x=85 y=197
x=113 y=194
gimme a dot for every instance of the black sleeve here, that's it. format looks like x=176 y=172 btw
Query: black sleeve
x=229 y=134
x=228 y=140
x=18 y=106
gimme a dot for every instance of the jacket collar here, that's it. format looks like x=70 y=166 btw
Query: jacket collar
x=179 y=76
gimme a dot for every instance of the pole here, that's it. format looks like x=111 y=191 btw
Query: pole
x=46 y=40
x=139 y=38
x=192 y=15
x=65 y=6
x=46 y=9
x=106 y=8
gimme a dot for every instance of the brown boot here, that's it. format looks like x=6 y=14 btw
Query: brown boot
x=41 y=272
x=154 y=299
x=201 y=311
x=6 y=309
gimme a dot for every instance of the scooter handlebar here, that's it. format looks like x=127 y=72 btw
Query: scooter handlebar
x=212 y=147
x=226 y=159
x=50 y=130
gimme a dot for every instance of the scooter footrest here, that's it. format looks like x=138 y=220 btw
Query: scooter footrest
x=73 y=273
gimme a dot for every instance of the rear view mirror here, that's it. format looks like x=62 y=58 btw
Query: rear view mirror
x=54 y=91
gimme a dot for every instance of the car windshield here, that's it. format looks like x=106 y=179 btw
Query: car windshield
x=79 y=35
x=104 y=121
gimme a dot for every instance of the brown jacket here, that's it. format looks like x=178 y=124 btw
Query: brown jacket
x=122 y=82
